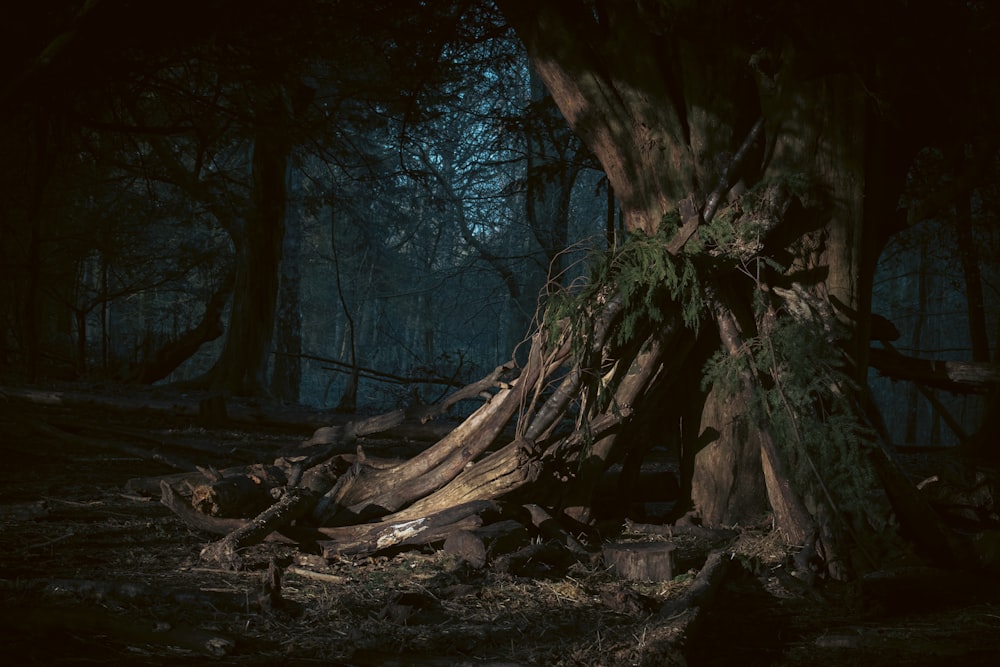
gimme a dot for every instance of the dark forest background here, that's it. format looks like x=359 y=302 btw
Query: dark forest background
x=356 y=207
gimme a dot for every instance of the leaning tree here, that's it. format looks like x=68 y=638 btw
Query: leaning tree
x=757 y=151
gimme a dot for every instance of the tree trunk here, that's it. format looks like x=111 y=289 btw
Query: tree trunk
x=667 y=130
x=969 y=258
x=349 y=398
x=286 y=378
x=916 y=333
x=751 y=177
x=241 y=369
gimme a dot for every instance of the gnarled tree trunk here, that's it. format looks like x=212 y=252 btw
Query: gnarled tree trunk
x=752 y=170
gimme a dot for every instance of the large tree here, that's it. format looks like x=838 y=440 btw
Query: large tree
x=757 y=152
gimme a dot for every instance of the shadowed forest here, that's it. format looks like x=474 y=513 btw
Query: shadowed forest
x=562 y=333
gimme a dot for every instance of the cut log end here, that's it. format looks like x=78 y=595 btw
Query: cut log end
x=646 y=561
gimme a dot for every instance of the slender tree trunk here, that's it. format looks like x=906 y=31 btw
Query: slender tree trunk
x=105 y=314
x=80 y=320
x=969 y=258
x=41 y=171
x=912 y=393
x=286 y=377
x=349 y=398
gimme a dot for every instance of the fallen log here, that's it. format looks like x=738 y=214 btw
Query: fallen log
x=960 y=377
x=478 y=545
x=154 y=454
x=239 y=495
x=369 y=538
x=208 y=524
x=289 y=507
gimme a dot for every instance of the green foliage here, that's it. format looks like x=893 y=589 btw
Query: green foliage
x=804 y=399
x=651 y=282
x=652 y=286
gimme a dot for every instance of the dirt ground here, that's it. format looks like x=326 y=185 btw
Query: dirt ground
x=94 y=574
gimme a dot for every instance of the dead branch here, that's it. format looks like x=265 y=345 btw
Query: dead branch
x=700 y=596
x=551 y=530
x=43 y=428
x=365 y=539
x=960 y=377
x=289 y=507
x=198 y=521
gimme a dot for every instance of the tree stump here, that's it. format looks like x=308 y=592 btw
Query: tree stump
x=641 y=561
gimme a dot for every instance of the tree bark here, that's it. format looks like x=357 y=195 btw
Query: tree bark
x=958 y=377
x=291 y=506
x=166 y=359
x=242 y=366
x=286 y=377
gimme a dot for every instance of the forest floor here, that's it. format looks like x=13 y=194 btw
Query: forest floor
x=92 y=573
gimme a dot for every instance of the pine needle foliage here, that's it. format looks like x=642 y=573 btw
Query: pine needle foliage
x=803 y=398
x=650 y=281
x=651 y=284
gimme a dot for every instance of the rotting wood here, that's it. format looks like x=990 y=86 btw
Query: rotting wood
x=224 y=526
x=239 y=495
x=365 y=539
x=504 y=536
x=551 y=530
x=381 y=537
x=289 y=507
x=194 y=519
x=151 y=486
